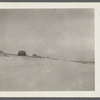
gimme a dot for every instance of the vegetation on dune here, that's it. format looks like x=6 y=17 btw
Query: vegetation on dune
x=21 y=53
x=1 y=52
x=36 y=56
x=24 y=54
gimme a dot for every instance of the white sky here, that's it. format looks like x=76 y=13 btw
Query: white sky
x=60 y=33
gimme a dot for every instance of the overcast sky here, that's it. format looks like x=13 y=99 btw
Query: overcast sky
x=60 y=33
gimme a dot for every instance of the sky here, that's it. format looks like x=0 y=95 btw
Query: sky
x=59 y=33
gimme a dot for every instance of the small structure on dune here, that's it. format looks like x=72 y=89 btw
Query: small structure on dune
x=21 y=53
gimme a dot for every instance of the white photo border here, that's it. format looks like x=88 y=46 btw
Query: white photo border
x=41 y=5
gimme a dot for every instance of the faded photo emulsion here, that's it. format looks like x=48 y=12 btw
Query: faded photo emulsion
x=47 y=50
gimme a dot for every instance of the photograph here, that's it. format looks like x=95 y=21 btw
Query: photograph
x=47 y=49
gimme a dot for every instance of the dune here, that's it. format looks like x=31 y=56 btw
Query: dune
x=35 y=74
